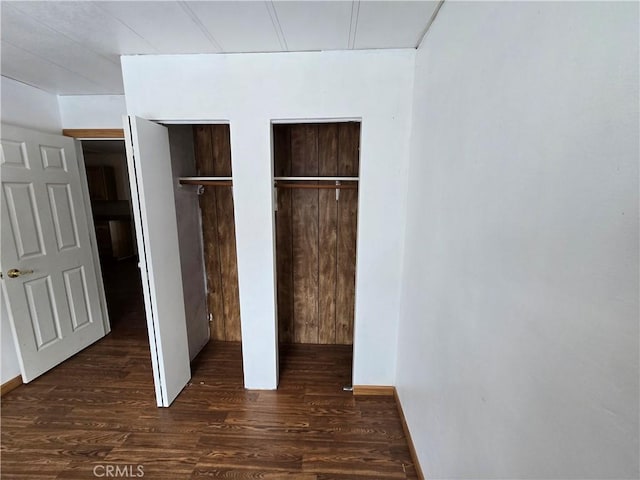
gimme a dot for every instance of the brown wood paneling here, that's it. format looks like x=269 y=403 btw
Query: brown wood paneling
x=213 y=158
x=221 y=142
x=204 y=166
x=304 y=150
x=282 y=150
x=346 y=281
x=203 y=146
x=348 y=165
x=315 y=233
x=349 y=149
x=284 y=248
x=327 y=234
x=228 y=265
x=304 y=206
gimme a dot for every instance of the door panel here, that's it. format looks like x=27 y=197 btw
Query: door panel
x=154 y=212
x=74 y=282
x=14 y=154
x=54 y=306
x=25 y=223
x=53 y=158
x=43 y=315
x=63 y=217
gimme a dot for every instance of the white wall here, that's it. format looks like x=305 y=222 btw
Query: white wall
x=92 y=111
x=28 y=107
x=250 y=91
x=188 y=217
x=518 y=343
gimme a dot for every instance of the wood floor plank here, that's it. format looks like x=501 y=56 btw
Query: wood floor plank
x=33 y=467
x=370 y=461
x=261 y=457
x=244 y=473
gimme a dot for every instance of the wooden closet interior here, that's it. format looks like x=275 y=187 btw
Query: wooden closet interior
x=212 y=150
x=316 y=169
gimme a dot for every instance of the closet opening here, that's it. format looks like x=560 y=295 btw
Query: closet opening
x=201 y=165
x=316 y=173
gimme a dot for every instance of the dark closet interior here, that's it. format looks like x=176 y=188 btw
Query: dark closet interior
x=316 y=227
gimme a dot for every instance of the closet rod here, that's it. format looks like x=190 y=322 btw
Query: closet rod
x=205 y=177
x=324 y=186
x=318 y=179
x=207 y=183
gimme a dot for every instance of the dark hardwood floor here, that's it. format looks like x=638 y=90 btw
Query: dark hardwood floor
x=97 y=411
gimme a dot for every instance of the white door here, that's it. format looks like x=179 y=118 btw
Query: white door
x=49 y=274
x=154 y=212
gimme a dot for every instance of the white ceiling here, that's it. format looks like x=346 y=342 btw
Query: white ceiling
x=73 y=48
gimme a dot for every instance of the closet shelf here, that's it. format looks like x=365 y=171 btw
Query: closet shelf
x=305 y=182
x=317 y=179
x=281 y=182
x=207 y=181
x=337 y=185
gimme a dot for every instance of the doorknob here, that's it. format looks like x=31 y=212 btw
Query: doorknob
x=15 y=273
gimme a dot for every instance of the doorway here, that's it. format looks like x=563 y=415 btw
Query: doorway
x=108 y=183
x=316 y=169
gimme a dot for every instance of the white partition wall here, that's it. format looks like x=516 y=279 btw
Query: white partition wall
x=250 y=91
